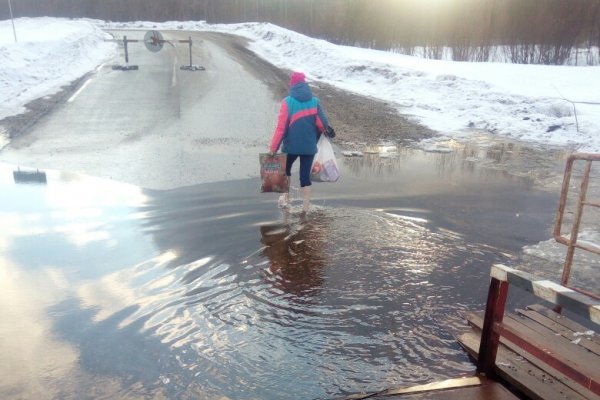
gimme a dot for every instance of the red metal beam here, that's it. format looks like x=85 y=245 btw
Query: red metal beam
x=490 y=334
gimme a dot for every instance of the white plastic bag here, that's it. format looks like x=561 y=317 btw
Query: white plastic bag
x=324 y=167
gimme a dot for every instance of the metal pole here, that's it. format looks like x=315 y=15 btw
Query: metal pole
x=125 y=46
x=190 y=52
x=575 y=229
x=13 y=21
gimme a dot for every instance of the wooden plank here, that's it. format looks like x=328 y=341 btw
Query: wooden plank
x=556 y=343
x=564 y=321
x=544 y=338
x=490 y=391
x=570 y=335
x=576 y=302
x=526 y=377
x=571 y=360
x=434 y=386
x=561 y=366
x=466 y=387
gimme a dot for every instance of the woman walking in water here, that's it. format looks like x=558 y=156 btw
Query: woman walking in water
x=301 y=121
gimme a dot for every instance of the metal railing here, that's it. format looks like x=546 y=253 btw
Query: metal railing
x=571 y=241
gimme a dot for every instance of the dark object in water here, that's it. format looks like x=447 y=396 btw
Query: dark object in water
x=29 y=176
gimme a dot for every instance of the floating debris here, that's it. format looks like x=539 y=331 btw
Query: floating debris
x=437 y=149
x=352 y=153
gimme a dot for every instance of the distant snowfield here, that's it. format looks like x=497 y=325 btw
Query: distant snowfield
x=526 y=102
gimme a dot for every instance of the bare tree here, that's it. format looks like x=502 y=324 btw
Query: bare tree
x=528 y=31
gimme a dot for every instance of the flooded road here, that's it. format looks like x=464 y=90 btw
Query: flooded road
x=210 y=291
x=158 y=127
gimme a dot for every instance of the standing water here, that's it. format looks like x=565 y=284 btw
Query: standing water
x=210 y=291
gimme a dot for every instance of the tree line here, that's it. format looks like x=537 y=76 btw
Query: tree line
x=518 y=31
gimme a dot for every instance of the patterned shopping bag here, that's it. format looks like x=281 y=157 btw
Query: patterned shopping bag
x=272 y=173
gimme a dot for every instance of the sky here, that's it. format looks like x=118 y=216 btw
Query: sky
x=533 y=103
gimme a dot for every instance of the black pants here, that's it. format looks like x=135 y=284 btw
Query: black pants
x=305 y=166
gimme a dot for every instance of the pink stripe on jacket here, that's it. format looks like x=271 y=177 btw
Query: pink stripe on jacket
x=282 y=123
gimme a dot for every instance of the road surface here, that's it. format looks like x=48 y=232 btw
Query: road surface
x=159 y=127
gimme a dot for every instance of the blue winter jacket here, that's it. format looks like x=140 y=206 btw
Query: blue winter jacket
x=301 y=120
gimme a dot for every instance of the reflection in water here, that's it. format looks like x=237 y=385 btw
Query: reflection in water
x=210 y=292
x=483 y=154
x=295 y=252
x=54 y=236
x=29 y=177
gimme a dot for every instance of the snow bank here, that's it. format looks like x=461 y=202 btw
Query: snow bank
x=526 y=102
x=50 y=53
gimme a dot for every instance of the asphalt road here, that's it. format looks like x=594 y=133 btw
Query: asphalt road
x=158 y=127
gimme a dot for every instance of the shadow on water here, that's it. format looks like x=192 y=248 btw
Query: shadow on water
x=296 y=255
x=211 y=291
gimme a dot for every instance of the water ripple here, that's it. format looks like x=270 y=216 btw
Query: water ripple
x=320 y=299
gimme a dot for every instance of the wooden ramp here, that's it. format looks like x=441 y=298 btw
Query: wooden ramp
x=541 y=353
x=465 y=388
x=569 y=343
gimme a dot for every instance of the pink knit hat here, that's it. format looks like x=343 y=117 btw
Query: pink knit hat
x=297 y=77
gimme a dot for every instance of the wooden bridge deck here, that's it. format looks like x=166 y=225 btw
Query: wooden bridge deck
x=563 y=361
x=488 y=391
x=471 y=388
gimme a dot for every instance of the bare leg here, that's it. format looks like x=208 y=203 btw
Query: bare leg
x=284 y=200
x=306 y=198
